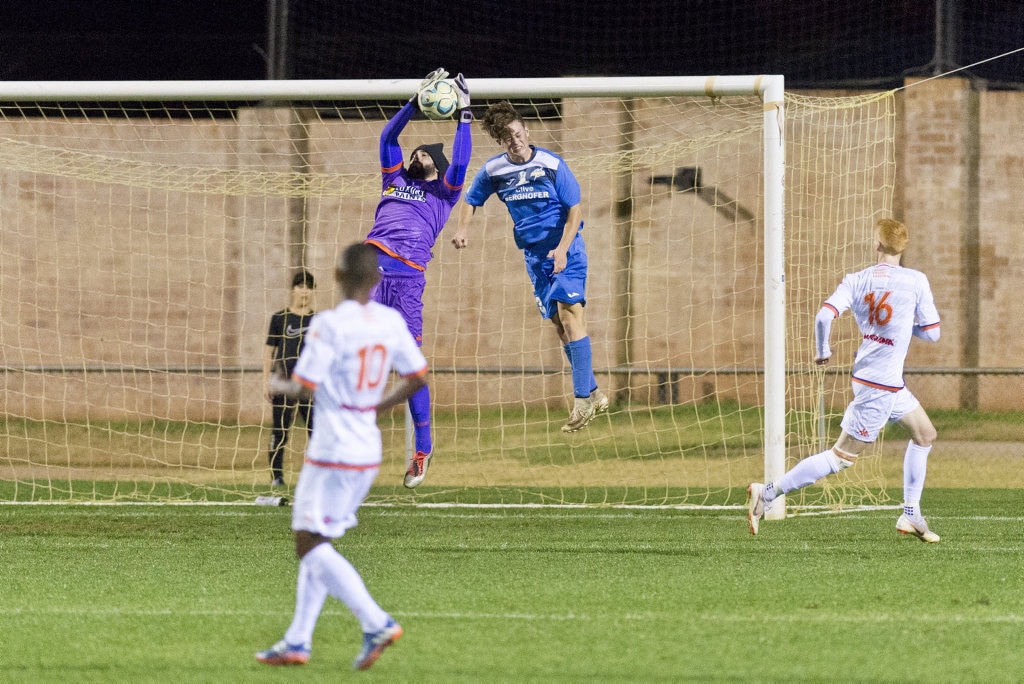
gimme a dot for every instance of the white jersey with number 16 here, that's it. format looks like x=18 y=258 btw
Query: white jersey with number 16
x=890 y=304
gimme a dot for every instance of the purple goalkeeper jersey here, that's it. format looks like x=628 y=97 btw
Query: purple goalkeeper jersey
x=412 y=212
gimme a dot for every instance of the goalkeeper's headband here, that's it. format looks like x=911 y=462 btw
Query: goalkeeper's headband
x=436 y=152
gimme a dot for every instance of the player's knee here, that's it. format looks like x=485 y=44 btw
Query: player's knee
x=840 y=460
x=925 y=437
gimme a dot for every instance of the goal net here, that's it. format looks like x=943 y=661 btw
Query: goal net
x=149 y=231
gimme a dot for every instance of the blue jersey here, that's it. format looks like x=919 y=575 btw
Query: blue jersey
x=412 y=212
x=538 y=194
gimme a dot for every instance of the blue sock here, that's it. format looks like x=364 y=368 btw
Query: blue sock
x=419 y=407
x=583 y=381
x=568 y=355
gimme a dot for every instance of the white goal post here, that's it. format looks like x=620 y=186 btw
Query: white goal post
x=770 y=88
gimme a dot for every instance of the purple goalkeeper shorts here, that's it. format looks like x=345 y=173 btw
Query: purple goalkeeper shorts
x=404 y=293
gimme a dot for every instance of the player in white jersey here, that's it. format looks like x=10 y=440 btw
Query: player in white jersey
x=891 y=304
x=350 y=351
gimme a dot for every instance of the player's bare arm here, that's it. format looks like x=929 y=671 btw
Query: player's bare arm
x=268 y=364
x=290 y=387
x=466 y=212
x=561 y=251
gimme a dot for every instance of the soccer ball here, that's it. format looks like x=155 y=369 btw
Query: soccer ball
x=439 y=101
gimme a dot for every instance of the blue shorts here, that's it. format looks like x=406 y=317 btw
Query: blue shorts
x=569 y=286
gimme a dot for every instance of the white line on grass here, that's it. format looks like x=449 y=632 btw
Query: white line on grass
x=866 y=618
x=806 y=510
x=127 y=503
x=467 y=510
x=799 y=616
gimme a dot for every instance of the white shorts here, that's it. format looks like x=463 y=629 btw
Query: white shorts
x=872 y=408
x=326 y=499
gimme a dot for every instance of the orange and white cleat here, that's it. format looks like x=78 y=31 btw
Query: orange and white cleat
x=374 y=644
x=283 y=653
x=416 y=469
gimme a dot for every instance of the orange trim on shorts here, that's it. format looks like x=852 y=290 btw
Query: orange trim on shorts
x=341 y=466
x=393 y=255
x=887 y=388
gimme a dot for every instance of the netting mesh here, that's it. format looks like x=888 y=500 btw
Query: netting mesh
x=142 y=253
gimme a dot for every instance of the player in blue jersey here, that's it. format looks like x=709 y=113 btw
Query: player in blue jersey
x=891 y=305
x=414 y=205
x=543 y=198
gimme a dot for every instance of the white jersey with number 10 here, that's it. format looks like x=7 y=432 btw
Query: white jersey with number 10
x=349 y=353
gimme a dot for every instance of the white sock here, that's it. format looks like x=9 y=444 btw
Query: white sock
x=915 y=466
x=344 y=583
x=807 y=471
x=310 y=594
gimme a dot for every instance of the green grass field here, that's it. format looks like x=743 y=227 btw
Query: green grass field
x=133 y=593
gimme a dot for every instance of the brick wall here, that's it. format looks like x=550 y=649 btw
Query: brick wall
x=962 y=173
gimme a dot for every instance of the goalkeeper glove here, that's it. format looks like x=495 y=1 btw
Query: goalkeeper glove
x=433 y=77
x=462 y=90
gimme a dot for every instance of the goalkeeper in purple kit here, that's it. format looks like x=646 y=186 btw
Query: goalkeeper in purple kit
x=543 y=198
x=415 y=203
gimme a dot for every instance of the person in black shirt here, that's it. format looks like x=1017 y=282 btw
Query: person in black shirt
x=284 y=343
